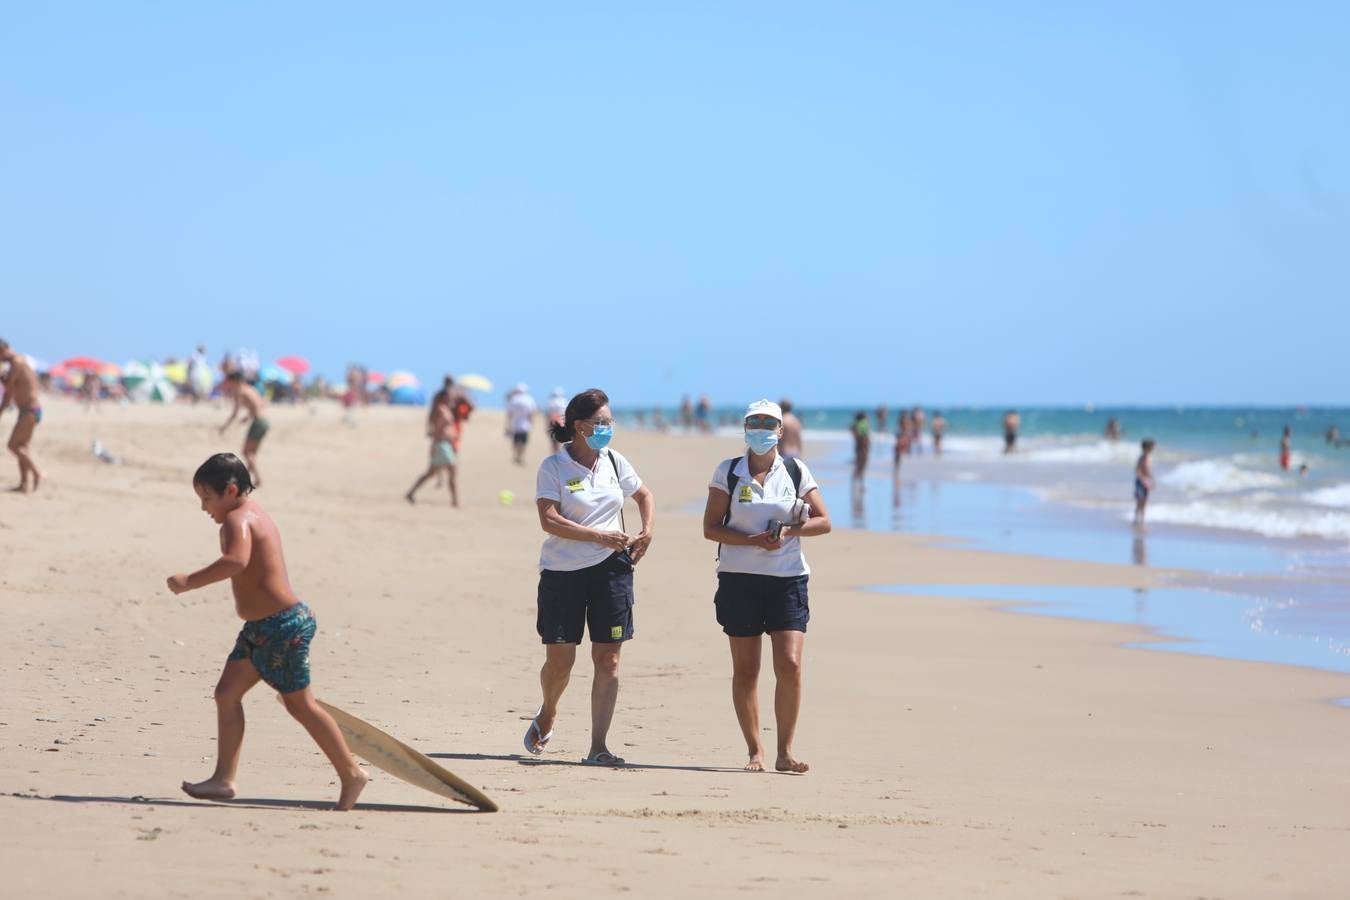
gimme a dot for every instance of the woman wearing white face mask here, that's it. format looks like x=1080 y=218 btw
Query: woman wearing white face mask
x=586 y=566
x=759 y=507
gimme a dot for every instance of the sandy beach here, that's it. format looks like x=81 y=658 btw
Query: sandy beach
x=956 y=749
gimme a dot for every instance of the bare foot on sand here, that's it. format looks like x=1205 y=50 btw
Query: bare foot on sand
x=210 y=789
x=756 y=763
x=351 y=789
x=409 y=497
x=787 y=764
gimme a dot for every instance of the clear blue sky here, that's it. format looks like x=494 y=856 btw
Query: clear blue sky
x=845 y=202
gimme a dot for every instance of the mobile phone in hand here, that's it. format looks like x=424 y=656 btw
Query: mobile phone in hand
x=776 y=529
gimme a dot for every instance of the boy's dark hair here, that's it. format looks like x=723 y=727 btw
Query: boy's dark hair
x=236 y=375
x=785 y=405
x=222 y=470
x=1147 y=444
x=4 y=345
x=582 y=406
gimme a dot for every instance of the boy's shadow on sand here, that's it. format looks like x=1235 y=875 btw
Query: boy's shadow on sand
x=541 y=761
x=246 y=803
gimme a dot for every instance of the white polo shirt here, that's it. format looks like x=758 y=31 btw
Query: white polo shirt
x=520 y=408
x=590 y=497
x=753 y=507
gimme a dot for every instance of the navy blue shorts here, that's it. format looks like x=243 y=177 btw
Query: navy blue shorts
x=600 y=596
x=749 y=605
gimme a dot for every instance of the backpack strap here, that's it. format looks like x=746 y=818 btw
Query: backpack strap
x=615 y=463
x=794 y=472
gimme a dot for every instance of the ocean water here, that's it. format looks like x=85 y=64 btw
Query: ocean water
x=1217 y=468
x=1263 y=553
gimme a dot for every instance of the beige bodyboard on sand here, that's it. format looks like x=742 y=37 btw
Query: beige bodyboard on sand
x=391 y=755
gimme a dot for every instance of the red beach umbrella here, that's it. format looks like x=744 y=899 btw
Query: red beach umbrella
x=296 y=365
x=83 y=363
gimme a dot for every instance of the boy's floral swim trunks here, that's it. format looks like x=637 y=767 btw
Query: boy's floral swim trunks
x=278 y=647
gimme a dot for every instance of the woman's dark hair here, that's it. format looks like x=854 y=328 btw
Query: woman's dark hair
x=222 y=470
x=582 y=406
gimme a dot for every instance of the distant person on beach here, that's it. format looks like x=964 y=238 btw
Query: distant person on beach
x=199 y=379
x=916 y=417
x=1143 y=479
x=791 y=445
x=882 y=415
x=1286 y=447
x=1333 y=436
x=441 y=428
x=759 y=507
x=1011 y=423
x=939 y=429
x=686 y=412
x=273 y=645
x=246 y=396
x=556 y=413
x=904 y=434
x=703 y=413
x=21 y=389
x=586 y=565
x=862 y=444
x=1112 y=430
x=520 y=410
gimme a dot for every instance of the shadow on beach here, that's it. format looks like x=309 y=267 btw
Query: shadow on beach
x=540 y=761
x=245 y=803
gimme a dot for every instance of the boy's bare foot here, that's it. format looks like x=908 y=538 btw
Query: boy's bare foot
x=756 y=764
x=351 y=789
x=37 y=479
x=787 y=764
x=210 y=789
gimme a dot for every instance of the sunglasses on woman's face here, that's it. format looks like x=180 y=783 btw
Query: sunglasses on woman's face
x=758 y=422
x=599 y=423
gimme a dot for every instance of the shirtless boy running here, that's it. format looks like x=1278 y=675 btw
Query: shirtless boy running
x=21 y=388
x=273 y=645
x=245 y=395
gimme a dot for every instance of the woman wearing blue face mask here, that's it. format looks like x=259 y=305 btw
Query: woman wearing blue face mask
x=760 y=506
x=586 y=565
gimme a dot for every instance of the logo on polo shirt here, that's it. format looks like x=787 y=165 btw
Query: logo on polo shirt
x=575 y=484
x=747 y=494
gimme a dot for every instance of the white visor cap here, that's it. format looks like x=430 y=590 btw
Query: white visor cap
x=763 y=408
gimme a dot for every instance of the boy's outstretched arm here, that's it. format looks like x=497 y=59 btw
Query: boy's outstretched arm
x=237 y=547
x=234 y=411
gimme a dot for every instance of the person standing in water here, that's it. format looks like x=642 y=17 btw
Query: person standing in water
x=760 y=505
x=1286 y=447
x=1143 y=479
x=791 y=445
x=1011 y=423
x=939 y=429
x=21 y=389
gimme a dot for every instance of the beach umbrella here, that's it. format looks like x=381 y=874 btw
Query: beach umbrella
x=407 y=395
x=374 y=378
x=474 y=382
x=397 y=380
x=58 y=371
x=176 y=372
x=133 y=373
x=110 y=372
x=276 y=374
x=82 y=364
x=147 y=381
x=296 y=365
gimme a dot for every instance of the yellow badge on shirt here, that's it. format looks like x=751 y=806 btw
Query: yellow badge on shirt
x=747 y=494
x=575 y=484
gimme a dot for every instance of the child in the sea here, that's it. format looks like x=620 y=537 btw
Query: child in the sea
x=273 y=645
x=1143 y=479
